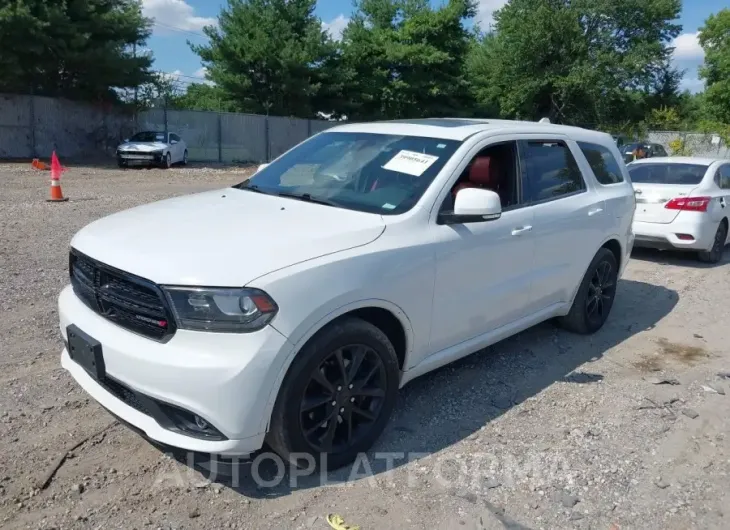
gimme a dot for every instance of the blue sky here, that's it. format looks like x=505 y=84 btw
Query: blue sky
x=177 y=21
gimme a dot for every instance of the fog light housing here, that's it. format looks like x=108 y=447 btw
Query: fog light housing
x=190 y=424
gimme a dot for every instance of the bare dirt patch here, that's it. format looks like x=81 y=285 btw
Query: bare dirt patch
x=544 y=430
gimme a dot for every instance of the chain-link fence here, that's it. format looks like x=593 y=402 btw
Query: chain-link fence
x=32 y=126
x=232 y=137
x=691 y=143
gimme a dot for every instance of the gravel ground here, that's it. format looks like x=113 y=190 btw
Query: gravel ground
x=625 y=429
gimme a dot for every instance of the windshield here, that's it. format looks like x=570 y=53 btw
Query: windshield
x=148 y=137
x=682 y=174
x=378 y=173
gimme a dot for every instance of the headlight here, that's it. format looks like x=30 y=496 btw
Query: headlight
x=218 y=309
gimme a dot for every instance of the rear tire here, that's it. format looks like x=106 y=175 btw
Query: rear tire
x=714 y=255
x=595 y=296
x=330 y=403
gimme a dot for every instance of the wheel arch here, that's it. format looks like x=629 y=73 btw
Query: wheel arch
x=385 y=315
x=611 y=243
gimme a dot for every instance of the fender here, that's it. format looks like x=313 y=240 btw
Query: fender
x=320 y=324
x=621 y=268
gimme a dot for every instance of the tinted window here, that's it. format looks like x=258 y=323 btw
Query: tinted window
x=659 y=150
x=688 y=174
x=378 y=173
x=725 y=177
x=174 y=137
x=603 y=163
x=550 y=170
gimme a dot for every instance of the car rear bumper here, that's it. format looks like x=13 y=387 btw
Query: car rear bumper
x=225 y=379
x=675 y=235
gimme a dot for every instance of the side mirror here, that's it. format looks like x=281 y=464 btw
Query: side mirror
x=473 y=205
x=261 y=166
x=126 y=140
x=173 y=142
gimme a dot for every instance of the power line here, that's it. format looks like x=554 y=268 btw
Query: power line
x=179 y=30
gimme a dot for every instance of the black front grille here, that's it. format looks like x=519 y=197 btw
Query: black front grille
x=131 y=302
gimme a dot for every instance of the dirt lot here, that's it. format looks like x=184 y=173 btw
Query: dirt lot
x=545 y=430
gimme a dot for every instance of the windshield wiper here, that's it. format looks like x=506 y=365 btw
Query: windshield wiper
x=308 y=198
x=245 y=185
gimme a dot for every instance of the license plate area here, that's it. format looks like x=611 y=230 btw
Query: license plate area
x=86 y=351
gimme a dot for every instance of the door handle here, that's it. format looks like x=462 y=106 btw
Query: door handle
x=594 y=211
x=521 y=230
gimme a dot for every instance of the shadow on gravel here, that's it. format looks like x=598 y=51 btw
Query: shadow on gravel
x=677 y=258
x=441 y=408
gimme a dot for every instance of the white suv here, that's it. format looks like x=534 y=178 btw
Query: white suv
x=291 y=307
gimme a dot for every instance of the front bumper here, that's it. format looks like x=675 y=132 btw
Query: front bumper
x=227 y=379
x=138 y=157
x=666 y=236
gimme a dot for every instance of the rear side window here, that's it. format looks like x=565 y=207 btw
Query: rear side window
x=678 y=174
x=602 y=162
x=551 y=171
x=725 y=177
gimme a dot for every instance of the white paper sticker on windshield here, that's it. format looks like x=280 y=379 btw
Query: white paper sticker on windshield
x=410 y=162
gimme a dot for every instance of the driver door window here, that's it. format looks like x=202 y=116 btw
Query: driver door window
x=495 y=168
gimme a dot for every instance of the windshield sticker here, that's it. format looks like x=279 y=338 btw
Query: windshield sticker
x=388 y=206
x=410 y=162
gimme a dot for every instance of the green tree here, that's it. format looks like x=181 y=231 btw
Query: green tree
x=200 y=96
x=405 y=59
x=715 y=40
x=587 y=62
x=270 y=57
x=81 y=49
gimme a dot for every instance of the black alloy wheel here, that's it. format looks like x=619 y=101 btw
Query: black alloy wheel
x=343 y=398
x=337 y=395
x=601 y=291
x=595 y=296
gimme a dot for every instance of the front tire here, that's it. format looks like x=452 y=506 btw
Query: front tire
x=714 y=255
x=338 y=395
x=595 y=296
x=167 y=161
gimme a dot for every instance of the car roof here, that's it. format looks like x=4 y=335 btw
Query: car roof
x=462 y=128
x=701 y=161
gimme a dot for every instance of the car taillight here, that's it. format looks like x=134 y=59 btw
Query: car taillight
x=689 y=204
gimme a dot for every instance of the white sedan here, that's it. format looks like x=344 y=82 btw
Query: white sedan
x=153 y=148
x=682 y=203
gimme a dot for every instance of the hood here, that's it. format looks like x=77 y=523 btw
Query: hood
x=142 y=146
x=224 y=238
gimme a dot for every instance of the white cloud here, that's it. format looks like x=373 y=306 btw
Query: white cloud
x=202 y=72
x=688 y=56
x=174 y=14
x=485 y=12
x=687 y=48
x=171 y=76
x=336 y=26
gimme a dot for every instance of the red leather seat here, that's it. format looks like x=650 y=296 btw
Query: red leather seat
x=482 y=174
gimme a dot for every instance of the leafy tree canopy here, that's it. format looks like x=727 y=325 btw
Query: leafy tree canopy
x=270 y=56
x=715 y=39
x=585 y=62
x=79 y=49
x=405 y=59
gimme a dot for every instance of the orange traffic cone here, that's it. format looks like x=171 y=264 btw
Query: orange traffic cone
x=37 y=164
x=56 y=170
